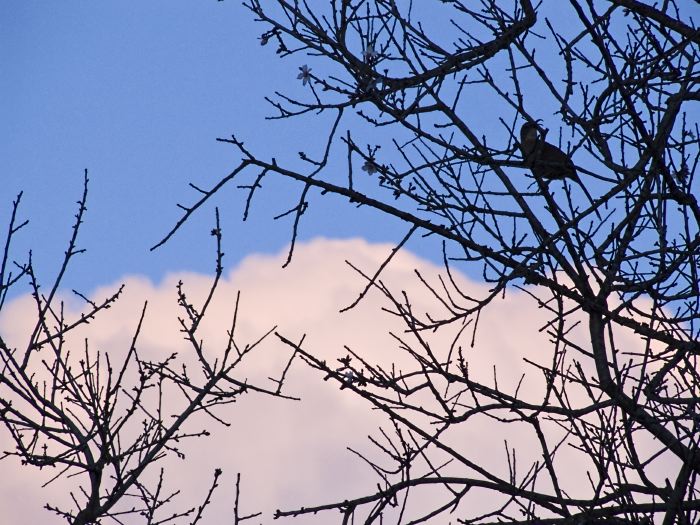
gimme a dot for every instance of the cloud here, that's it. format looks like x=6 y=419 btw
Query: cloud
x=294 y=454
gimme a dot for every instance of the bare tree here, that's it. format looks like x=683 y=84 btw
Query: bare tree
x=105 y=420
x=618 y=81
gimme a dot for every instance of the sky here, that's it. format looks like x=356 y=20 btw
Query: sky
x=136 y=94
x=293 y=454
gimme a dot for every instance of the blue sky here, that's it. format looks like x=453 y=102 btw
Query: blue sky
x=137 y=94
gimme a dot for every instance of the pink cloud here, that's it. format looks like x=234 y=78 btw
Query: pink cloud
x=294 y=454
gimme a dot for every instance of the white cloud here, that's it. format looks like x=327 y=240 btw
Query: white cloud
x=294 y=454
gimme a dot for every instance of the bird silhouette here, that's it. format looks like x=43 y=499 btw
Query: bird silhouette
x=546 y=161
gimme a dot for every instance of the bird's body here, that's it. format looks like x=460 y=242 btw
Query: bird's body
x=546 y=161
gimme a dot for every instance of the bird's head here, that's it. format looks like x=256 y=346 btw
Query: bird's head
x=529 y=133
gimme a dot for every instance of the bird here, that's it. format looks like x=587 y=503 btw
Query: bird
x=546 y=161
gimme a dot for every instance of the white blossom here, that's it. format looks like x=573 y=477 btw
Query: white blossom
x=370 y=54
x=305 y=74
x=370 y=167
x=349 y=376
